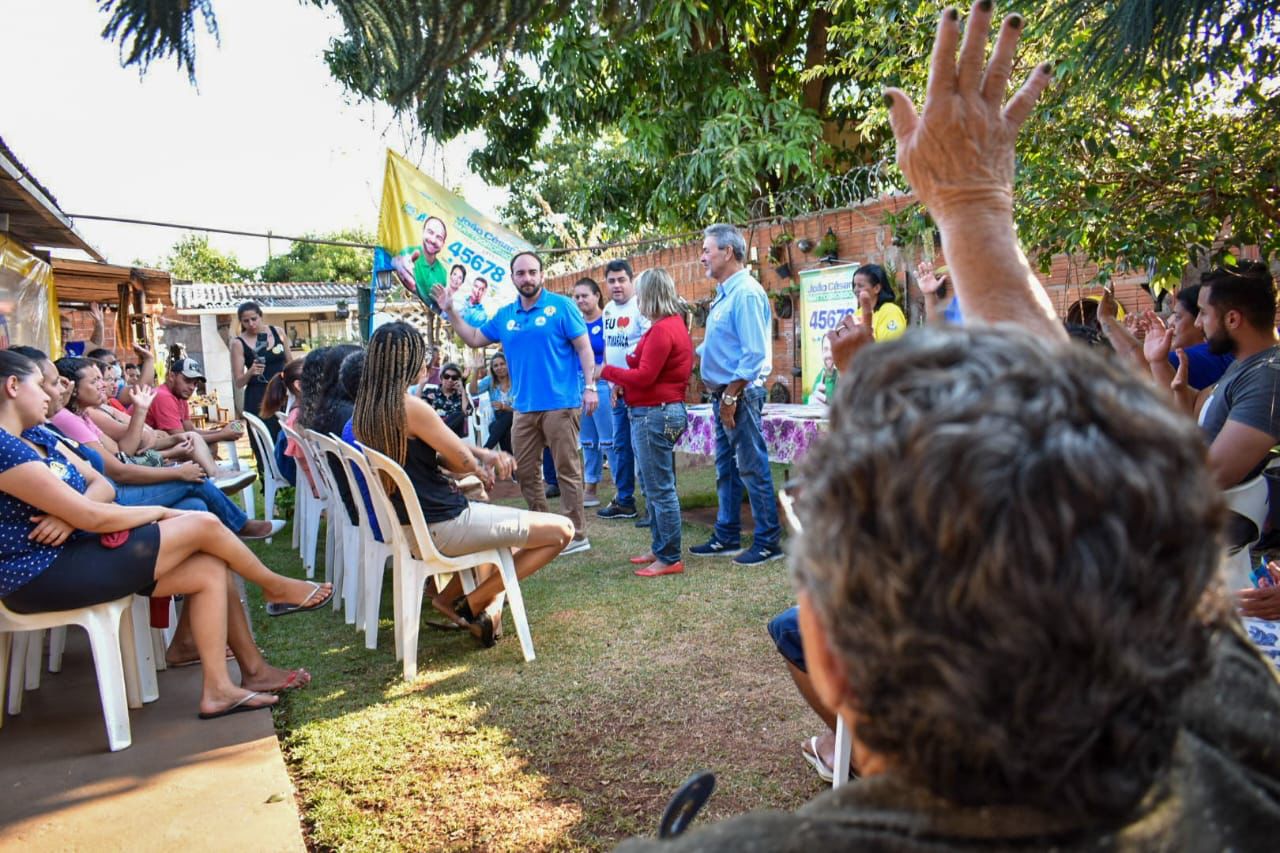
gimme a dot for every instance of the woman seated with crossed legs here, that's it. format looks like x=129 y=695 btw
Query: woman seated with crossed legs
x=409 y=431
x=48 y=564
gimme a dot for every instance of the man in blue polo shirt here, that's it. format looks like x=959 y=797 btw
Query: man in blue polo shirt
x=737 y=357
x=546 y=344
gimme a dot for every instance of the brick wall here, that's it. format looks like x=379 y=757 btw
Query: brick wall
x=863 y=238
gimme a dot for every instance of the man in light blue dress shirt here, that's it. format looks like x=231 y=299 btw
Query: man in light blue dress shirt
x=737 y=357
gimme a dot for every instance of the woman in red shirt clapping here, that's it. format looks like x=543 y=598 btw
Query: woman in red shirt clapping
x=654 y=386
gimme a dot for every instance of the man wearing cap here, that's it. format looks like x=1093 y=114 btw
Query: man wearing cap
x=169 y=411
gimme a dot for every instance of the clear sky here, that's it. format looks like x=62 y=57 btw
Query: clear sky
x=267 y=141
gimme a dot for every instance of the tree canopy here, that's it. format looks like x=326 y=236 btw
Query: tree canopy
x=193 y=259
x=322 y=262
x=636 y=119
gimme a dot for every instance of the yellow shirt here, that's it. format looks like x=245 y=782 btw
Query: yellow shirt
x=888 y=322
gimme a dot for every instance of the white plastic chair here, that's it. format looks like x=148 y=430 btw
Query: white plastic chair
x=374 y=554
x=347 y=535
x=332 y=509
x=1249 y=499
x=844 y=748
x=272 y=480
x=310 y=506
x=414 y=571
x=109 y=626
x=481 y=418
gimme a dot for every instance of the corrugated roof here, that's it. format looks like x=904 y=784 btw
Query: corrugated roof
x=34 y=216
x=224 y=298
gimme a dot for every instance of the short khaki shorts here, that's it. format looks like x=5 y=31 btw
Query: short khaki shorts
x=480 y=527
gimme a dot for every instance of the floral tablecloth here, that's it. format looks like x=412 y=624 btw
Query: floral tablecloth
x=789 y=430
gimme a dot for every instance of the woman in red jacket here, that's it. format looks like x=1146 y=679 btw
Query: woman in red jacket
x=655 y=381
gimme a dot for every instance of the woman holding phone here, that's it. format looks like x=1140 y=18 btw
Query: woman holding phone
x=258 y=353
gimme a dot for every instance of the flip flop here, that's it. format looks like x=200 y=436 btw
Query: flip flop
x=238 y=708
x=275 y=609
x=825 y=773
x=294 y=681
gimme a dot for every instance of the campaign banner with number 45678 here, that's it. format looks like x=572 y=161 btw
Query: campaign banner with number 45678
x=425 y=233
x=826 y=296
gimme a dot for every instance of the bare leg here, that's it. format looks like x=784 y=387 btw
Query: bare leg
x=203 y=580
x=548 y=535
x=826 y=746
x=201 y=532
x=255 y=672
x=201 y=454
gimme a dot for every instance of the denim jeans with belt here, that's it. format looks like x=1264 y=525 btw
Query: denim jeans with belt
x=654 y=433
x=179 y=494
x=742 y=462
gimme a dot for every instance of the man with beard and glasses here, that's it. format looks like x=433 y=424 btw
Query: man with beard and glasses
x=545 y=340
x=1241 y=421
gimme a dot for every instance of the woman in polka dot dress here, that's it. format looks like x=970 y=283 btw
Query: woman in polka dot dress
x=64 y=545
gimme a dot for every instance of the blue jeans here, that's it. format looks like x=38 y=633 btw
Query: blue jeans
x=179 y=494
x=287 y=465
x=623 y=460
x=549 y=469
x=596 y=438
x=656 y=431
x=742 y=462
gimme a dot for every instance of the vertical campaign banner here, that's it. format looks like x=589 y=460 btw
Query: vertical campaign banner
x=826 y=295
x=424 y=231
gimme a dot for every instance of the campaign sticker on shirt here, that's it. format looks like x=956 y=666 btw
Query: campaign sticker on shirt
x=541 y=321
x=623 y=322
x=550 y=311
x=892 y=326
x=58 y=468
x=595 y=330
x=511 y=325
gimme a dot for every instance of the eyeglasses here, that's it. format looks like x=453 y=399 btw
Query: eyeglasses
x=454 y=376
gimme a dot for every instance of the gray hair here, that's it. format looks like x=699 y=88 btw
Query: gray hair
x=728 y=237
x=656 y=294
x=1010 y=547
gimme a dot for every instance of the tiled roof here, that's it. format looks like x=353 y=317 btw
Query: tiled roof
x=224 y=298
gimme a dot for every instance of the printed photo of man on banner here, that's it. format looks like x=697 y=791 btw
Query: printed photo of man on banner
x=428 y=236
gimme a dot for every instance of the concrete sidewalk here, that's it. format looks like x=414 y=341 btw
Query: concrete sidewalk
x=185 y=783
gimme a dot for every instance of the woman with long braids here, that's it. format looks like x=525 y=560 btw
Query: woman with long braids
x=49 y=564
x=409 y=431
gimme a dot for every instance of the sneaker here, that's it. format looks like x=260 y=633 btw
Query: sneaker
x=758 y=554
x=256 y=529
x=715 y=548
x=644 y=522
x=576 y=546
x=590 y=499
x=617 y=510
x=553 y=491
x=235 y=481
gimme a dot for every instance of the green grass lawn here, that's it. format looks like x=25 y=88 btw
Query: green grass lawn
x=637 y=683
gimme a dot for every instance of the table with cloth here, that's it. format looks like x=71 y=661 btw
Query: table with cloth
x=789 y=430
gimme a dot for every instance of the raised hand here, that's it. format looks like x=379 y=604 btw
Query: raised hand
x=959 y=149
x=847 y=338
x=929 y=283
x=142 y=396
x=402 y=266
x=867 y=310
x=1180 y=375
x=1108 y=307
x=1159 y=340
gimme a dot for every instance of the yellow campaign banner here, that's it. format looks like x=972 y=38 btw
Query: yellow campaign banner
x=826 y=296
x=28 y=302
x=427 y=235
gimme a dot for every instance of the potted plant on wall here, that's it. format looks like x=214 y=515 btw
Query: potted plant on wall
x=828 y=247
x=780 y=255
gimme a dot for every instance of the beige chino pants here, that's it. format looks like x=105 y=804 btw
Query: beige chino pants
x=557 y=429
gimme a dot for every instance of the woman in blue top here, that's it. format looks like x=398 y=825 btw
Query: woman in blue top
x=48 y=564
x=498 y=384
x=596 y=435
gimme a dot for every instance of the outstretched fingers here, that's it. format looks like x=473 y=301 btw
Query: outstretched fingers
x=1000 y=69
x=1021 y=104
x=974 y=48
x=942 y=66
x=902 y=115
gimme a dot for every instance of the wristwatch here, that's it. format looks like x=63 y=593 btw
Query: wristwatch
x=728 y=400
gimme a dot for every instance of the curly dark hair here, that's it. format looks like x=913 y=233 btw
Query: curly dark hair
x=331 y=405
x=1010 y=547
